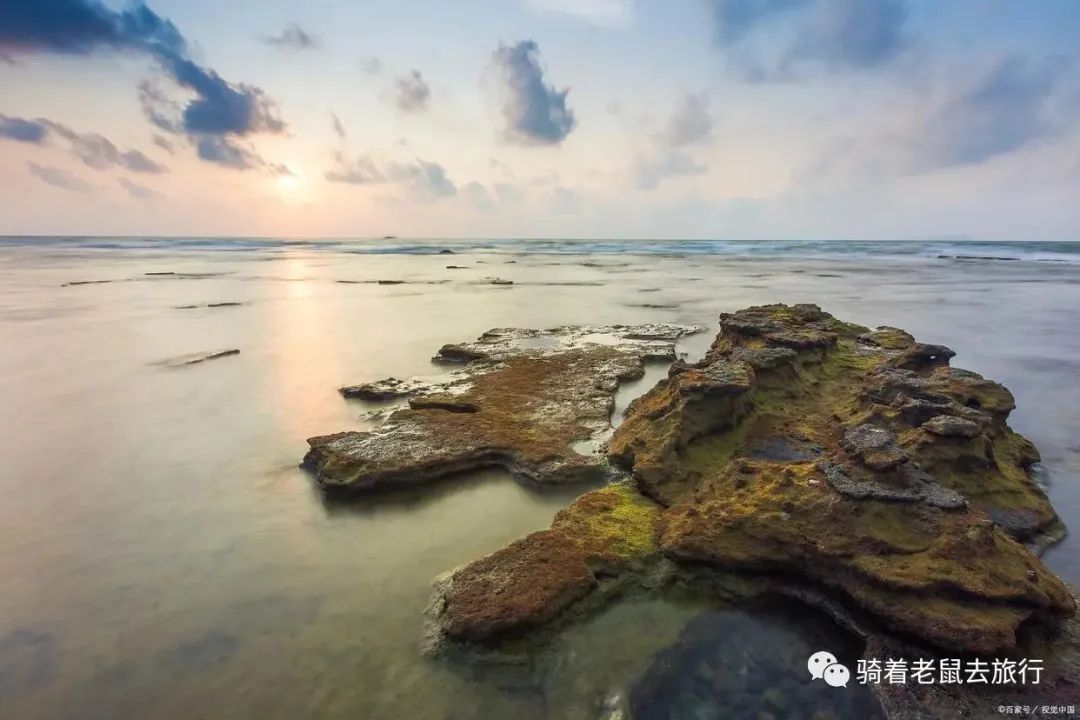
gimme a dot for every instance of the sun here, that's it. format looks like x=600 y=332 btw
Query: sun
x=289 y=183
x=292 y=189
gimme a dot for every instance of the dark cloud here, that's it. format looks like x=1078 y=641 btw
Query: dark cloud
x=691 y=122
x=28 y=131
x=294 y=37
x=411 y=92
x=137 y=191
x=831 y=34
x=219 y=108
x=83 y=26
x=424 y=180
x=164 y=144
x=94 y=150
x=58 y=178
x=533 y=112
x=222 y=108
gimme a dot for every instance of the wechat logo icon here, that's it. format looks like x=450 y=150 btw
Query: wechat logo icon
x=824 y=666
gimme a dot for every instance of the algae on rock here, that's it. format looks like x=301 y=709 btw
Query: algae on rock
x=813 y=450
x=523 y=400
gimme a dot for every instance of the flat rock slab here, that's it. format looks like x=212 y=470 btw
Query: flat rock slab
x=522 y=401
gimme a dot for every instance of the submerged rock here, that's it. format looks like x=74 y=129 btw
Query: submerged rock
x=196 y=358
x=796 y=451
x=524 y=399
x=210 y=305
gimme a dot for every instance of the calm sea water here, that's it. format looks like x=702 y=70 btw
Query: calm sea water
x=162 y=556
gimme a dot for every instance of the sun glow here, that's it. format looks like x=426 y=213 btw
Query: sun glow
x=288 y=184
x=293 y=189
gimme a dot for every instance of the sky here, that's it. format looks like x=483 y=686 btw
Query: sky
x=741 y=119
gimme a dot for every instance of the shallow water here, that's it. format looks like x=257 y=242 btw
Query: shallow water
x=163 y=556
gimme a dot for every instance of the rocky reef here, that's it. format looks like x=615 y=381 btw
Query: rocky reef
x=852 y=469
x=523 y=401
x=857 y=459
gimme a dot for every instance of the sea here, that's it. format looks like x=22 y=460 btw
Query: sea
x=162 y=555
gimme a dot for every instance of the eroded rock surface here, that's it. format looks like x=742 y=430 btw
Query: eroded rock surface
x=522 y=401
x=851 y=462
x=602 y=535
x=897 y=516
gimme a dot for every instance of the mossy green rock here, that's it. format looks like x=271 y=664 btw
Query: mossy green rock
x=604 y=533
x=800 y=451
x=859 y=461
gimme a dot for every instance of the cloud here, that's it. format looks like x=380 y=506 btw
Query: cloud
x=428 y=180
x=995 y=111
x=671 y=153
x=691 y=122
x=734 y=19
x=83 y=26
x=533 y=112
x=339 y=129
x=230 y=153
x=666 y=163
x=58 y=178
x=478 y=197
x=854 y=33
x=412 y=93
x=834 y=35
x=100 y=153
x=294 y=37
x=509 y=193
x=371 y=65
x=219 y=108
x=971 y=115
x=425 y=180
x=605 y=13
x=93 y=150
x=137 y=191
x=564 y=201
x=361 y=171
x=21 y=130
